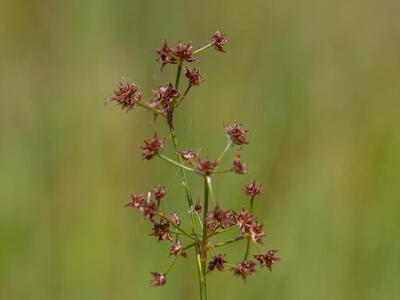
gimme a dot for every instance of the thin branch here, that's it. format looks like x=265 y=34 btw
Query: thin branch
x=203 y=48
x=174 y=162
x=152 y=109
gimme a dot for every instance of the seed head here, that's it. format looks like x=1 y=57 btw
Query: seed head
x=158 y=279
x=152 y=146
x=245 y=220
x=175 y=219
x=244 y=269
x=256 y=233
x=194 y=76
x=184 y=51
x=218 y=39
x=188 y=155
x=126 y=95
x=252 y=189
x=159 y=192
x=238 y=166
x=149 y=210
x=165 y=55
x=198 y=207
x=268 y=259
x=217 y=263
x=136 y=201
x=237 y=133
x=177 y=249
x=165 y=94
x=161 y=230
x=206 y=166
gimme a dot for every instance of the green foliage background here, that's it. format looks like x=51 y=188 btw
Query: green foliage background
x=316 y=82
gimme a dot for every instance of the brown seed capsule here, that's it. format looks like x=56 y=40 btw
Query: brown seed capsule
x=126 y=95
x=218 y=39
x=238 y=166
x=136 y=201
x=152 y=146
x=237 y=133
x=268 y=259
x=158 y=279
x=161 y=230
x=188 y=155
x=253 y=189
x=177 y=249
x=184 y=51
x=244 y=269
x=159 y=192
x=165 y=55
x=217 y=263
x=206 y=166
x=194 y=76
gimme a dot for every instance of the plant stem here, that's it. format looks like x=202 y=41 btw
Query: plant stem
x=171 y=264
x=178 y=74
x=156 y=111
x=203 y=247
x=227 y=242
x=228 y=146
x=203 y=48
x=201 y=277
x=168 y=219
x=174 y=162
x=179 y=101
x=246 y=253
x=208 y=182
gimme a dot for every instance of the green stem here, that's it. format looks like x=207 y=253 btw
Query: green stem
x=246 y=253
x=203 y=48
x=174 y=162
x=225 y=230
x=180 y=100
x=205 y=228
x=178 y=74
x=228 y=146
x=227 y=242
x=202 y=282
x=209 y=185
x=171 y=264
x=168 y=219
x=152 y=109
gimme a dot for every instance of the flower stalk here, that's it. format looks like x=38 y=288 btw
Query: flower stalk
x=207 y=219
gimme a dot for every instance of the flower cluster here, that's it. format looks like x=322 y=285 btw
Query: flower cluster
x=208 y=223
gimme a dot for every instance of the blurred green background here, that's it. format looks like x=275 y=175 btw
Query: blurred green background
x=316 y=82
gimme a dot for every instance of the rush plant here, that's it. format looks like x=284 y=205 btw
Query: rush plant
x=208 y=220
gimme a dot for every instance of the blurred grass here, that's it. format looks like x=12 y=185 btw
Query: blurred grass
x=317 y=82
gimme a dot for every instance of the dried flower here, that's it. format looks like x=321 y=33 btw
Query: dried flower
x=237 y=133
x=245 y=220
x=188 y=155
x=206 y=166
x=126 y=95
x=238 y=166
x=184 y=51
x=159 y=192
x=194 y=76
x=217 y=263
x=268 y=259
x=165 y=94
x=161 y=230
x=244 y=269
x=252 y=189
x=175 y=219
x=177 y=249
x=198 y=207
x=152 y=146
x=149 y=210
x=158 y=279
x=165 y=55
x=218 y=39
x=136 y=201
x=256 y=233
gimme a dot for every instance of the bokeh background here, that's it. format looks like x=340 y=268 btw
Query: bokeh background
x=316 y=82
